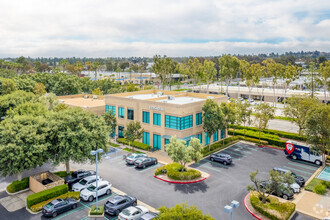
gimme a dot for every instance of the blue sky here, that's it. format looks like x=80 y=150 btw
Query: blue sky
x=103 y=28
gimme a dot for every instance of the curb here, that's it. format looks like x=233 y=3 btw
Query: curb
x=262 y=146
x=180 y=182
x=249 y=209
x=33 y=213
x=15 y=193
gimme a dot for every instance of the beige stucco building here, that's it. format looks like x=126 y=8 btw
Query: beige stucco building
x=163 y=114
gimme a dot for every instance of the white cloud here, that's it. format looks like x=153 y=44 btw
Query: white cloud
x=102 y=28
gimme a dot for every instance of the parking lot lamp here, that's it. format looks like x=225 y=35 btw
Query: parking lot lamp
x=229 y=208
x=96 y=152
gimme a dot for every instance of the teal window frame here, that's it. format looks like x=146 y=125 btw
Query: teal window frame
x=157 y=142
x=223 y=134
x=146 y=117
x=178 y=123
x=146 y=138
x=207 y=139
x=121 y=112
x=120 y=131
x=157 y=119
x=199 y=120
x=110 y=108
x=130 y=114
x=216 y=136
x=200 y=137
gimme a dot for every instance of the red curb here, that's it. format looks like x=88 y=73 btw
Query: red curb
x=179 y=182
x=272 y=147
x=249 y=209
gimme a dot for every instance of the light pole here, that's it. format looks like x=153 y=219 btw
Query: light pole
x=229 y=208
x=96 y=152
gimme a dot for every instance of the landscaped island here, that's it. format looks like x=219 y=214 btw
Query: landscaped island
x=174 y=171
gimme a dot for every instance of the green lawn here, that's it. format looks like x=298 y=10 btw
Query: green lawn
x=130 y=150
x=114 y=145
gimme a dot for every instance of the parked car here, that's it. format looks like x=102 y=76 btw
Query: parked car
x=58 y=206
x=241 y=99
x=114 y=205
x=283 y=193
x=89 y=194
x=220 y=157
x=148 y=216
x=295 y=188
x=143 y=162
x=299 y=180
x=132 y=157
x=76 y=176
x=133 y=213
x=84 y=183
x=250 y=100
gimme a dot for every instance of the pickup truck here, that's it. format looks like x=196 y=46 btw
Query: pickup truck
x=77 y=176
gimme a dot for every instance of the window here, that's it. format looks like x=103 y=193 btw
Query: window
x=157 y=119
x=146 y=117
x=178 y=123
x=120 y=131
x=167 y=141
x=121 y=112
x=223 y=134
x=109 y=108
x=215 y=136
x=157 y=142
x=130 y=114
x=146 y=138
x=207 y=139
x=198 y=118
x=199 y=136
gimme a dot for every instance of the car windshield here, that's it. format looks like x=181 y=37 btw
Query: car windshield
x=131 y=156
x=74 y=175
x=126 y=212
x=49 y=205
x=83 y=182
x=91 y=188
x=110 y=203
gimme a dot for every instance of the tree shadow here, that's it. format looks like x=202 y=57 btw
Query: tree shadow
x=192 y=187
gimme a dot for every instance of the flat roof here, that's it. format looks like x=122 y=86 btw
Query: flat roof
x=146 y=96
x=181 y=100
x=82 y=102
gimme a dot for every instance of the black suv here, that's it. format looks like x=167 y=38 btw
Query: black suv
x=220 y=157
x=284 y=193
x=116 y=204
x=299 y=180
x=77 y=176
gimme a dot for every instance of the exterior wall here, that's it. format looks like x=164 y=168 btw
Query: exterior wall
x=160 y=108
x=35 y=184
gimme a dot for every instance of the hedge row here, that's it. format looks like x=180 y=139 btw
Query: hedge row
x=255 y=135
x=46 y=194
x=18 y=185
x=63 y=174
x=93 y=211
x=254 y=140
x=282 y=134
x=173 y=171
x=219 y=145
x=274 y=209
x=136 y=144
x=318 y=186
x=38 y=207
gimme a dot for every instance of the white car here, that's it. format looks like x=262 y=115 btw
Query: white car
x=89 y=194
x=133 y=213
x=84 y=183
x=294 y=187
x=241 y=99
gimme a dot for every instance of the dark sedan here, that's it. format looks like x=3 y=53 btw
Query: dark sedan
x=144 y=162
x=57 y=206
x=283 y=192
x=116 y=204
x=220 y=157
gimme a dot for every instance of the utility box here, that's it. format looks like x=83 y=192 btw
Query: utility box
x=43 y=181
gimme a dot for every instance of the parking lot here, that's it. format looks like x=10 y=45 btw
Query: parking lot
x=226 y=183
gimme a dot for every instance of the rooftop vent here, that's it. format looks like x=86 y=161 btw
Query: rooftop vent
x=86 y=96
x=160 y=94
x=170 y=97
x=94 y=96
x=61 y=101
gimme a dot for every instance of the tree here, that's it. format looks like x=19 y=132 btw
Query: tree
x=297 y=108
x=212 y=118
x=95 y=67
x=131 y=88
x=60 y=107
x=263 y=113
x=209 y=73
x=290 y=74
x=195 y=151
x=163 y=67
x=229 y=67
x=244 y=67
x=14 y=99
x=39 y=89
x=111 y=120
x=318 y=128
x=323 y=78
x=74 y=134
x=229 y=115
x=23 y=144
x=78 y=67
x=25 y=83
x=28 y=108
x=50 y=100
x=179 y=152
x=311 y=76
x=252 y=76
x=133 y=132
x=182 y=212
x=263 y=191
x=7 y=86
x=64 y=64
x=244 y=113
x=97 y=91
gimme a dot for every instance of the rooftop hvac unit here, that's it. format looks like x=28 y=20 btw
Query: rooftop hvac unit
x=61 y=101
x=94 y=96
x=170 y=97
x=160 y=94
x=86 y=96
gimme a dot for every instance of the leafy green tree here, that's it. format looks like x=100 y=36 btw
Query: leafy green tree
x=311 y=77
x=262 y=191
x=212 y=118
x=196 y=149
x=263 y=113
x=60 y=107
x=317 y=128
x=244 y=67
x=64 y=64
x=14 y=99
x=229 y=113
x=163 y=67
x=116 y=90
x=182 y=212
x=24 y=64
x=324 y=77
x=23 y=144
x=111 y=121
x=74 y=134
x=50 y=100
x=7 y=86
x=131 y=88
x=95 y=67
x=209 y=73
x=28 y=108
x=252 y=76
x=244 y=112
x=229 y=67
x=97 y=91
x=297 y=108
x=290 y=74
x=25 y=83
x=39 y=89
x=133 y=132
x=179 y=152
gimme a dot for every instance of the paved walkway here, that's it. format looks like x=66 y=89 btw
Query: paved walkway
x=15 y=202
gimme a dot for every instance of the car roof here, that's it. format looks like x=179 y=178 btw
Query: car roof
x=117 y=198
x=90 y=177
x=99 y=183
x=149 y=215
x=55 y=201
x=132 y=209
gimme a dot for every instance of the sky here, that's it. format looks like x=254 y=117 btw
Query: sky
x=143 y=28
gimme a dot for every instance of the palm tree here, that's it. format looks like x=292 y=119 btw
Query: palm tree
x=95 y=67
x=64 y=63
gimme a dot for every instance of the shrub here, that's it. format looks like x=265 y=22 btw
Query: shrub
x=218 y=145
x=17 y=185
x=173 y=171
x=274 y=209
x=38 y=207
x=136 y=144
x=114 y=145
x=130 y=150
x=46 y=194
x=98 y=212
x=63 y=174
x=320 y=189
x=254 y=140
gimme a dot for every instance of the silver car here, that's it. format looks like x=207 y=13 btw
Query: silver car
x=84 y=183
x=133 y=157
